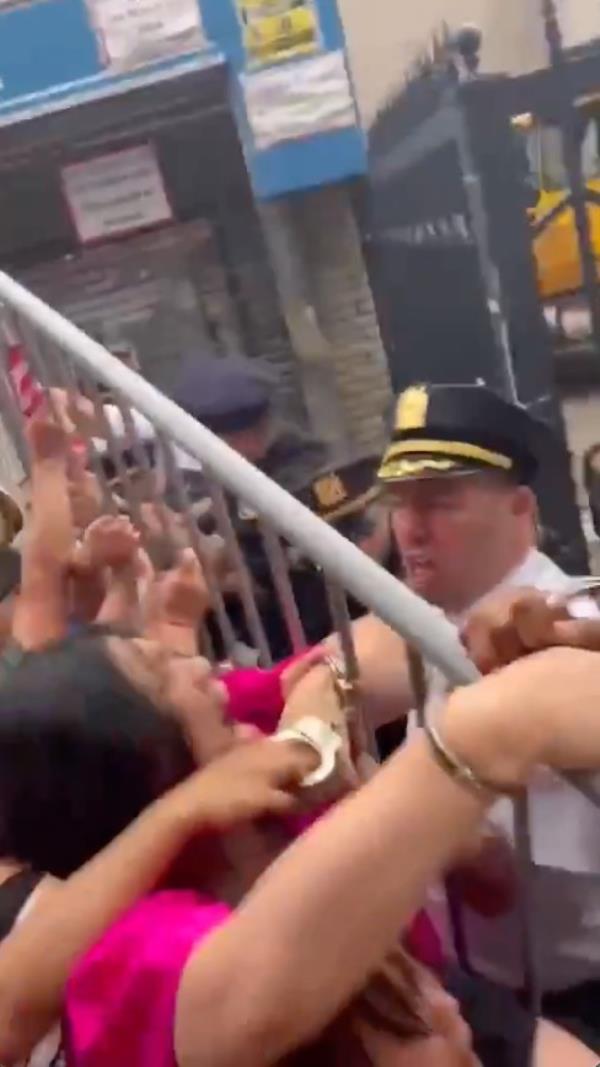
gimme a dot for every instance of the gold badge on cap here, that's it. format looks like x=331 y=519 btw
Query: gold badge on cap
x=330 y=491
x=411 y=412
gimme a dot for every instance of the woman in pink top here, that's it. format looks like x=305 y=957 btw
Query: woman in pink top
x=208 y=971
x=115 y=723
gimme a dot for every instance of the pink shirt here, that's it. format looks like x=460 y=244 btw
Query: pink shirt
x=120 y=1002
x=256 y=699
x=255 y=696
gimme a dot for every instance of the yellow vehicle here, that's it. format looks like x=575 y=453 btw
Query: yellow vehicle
x=556 y=246
x=277 y=30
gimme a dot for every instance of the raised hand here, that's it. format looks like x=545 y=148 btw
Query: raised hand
x=254 y=779
x=111 y=541
x=46 y=438
x=540 y=709
x=520 y=621
x=86 y=500
x=75 y=412
x=180 y=597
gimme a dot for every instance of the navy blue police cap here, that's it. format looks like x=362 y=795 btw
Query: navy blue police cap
x=225 y=395
x=343 y=491
x=454 y=429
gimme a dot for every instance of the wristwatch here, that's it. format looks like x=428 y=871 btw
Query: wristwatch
x=323 y=739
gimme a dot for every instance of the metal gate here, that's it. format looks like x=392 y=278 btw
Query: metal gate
x=58 y=353
x=456 y=228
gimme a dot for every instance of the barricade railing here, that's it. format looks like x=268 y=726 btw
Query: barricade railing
x=61 y=355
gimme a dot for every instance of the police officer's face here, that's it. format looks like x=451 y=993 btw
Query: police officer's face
x=252 y=443
x=460 y=535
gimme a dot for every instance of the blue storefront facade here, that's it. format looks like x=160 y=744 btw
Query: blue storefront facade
x=147 y=148
x=52 y=57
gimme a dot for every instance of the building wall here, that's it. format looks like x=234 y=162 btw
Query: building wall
x=346 y=312
x=580 y=20
x=346 y=399
x=384 y=38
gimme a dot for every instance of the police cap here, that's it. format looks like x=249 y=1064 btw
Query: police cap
x=451 y=429
x=225 y=395
x=343 y=491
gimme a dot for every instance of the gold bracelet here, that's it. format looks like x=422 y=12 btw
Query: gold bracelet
x=346 y=690
x=455 y=768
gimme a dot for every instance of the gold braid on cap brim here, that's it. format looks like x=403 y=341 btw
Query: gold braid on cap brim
x=395 y=462
x=353 y=506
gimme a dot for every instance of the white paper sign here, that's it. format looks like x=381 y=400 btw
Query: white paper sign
x=133 y=32
x=116 y=194
x=299 y=100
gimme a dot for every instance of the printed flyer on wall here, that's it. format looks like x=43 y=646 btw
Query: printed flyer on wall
x=134 y=32
x=278 y=30
x=116 y=194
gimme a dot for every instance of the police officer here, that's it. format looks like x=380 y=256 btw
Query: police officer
x=458 y=477
x=231 y=398
x=347 y=498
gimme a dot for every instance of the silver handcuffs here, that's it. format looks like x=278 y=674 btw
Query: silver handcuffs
x=580 y=597
x=323 y=739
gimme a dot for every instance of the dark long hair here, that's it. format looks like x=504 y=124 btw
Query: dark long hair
x=82 y=753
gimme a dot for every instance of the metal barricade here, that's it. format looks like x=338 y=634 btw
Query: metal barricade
x=62 y=355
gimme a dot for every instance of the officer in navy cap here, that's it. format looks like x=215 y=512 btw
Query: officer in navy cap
x=460 y=429
x=347 y=498
x=232 y=398
x=458 y=472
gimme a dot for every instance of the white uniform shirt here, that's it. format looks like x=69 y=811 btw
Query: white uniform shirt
x=565 y=831
x=146 y=433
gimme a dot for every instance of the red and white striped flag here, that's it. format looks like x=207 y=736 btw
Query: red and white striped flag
x=27 y=389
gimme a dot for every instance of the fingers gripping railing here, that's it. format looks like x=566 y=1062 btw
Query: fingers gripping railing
x=347 y=565
x=280 y=517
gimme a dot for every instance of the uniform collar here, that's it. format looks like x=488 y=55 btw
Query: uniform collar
x=535 y=569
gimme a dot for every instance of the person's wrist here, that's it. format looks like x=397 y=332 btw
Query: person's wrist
x=180 y=813
x=488 y=738
x=180 y=638
x=124 y=572
x=44 y=464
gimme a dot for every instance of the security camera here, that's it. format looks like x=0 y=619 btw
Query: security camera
x=467 y=41
x=465 y=45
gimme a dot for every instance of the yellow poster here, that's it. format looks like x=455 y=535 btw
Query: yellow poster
x=277 y=30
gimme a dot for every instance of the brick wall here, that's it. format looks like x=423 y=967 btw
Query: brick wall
x=346 y=401
x=261 y=327
x=343 y=301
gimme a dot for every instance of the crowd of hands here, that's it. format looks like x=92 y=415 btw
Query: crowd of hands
x=539 y=701
x=80 y=563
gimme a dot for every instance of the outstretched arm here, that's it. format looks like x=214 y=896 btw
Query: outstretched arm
x=385 y=686
x=71 y=916
x=41 y=611
x=177 y=605
x=322 y=918
x=110 y=550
